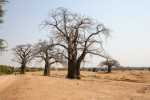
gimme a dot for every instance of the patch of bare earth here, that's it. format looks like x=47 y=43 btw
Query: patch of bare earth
x=92 y=86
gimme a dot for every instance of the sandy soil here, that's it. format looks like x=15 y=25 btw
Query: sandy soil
x=127 y=85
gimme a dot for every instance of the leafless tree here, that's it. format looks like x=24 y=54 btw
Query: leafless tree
x=77 y=35
x=23 y=55
x=46 y=52
x=109 y=63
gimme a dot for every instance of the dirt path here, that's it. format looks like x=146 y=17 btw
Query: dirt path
x=29 y=87
x=6 y=81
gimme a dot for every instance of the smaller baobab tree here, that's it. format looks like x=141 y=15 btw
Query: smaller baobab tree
x=109 y=63
x=45 y=51
x=23 y=55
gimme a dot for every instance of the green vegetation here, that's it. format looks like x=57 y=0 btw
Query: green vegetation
x=4 y=69
x=33 y=69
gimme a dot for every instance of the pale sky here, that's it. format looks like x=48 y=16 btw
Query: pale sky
x=129 y=21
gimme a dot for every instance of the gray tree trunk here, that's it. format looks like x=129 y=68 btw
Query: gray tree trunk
x=46 y=69
x=23 y=65
x=109 y=69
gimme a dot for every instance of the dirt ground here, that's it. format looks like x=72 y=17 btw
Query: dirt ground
x=119 y=85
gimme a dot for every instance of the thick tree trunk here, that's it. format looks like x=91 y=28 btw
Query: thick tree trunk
x=46 y=69
x=23 y=65
x=72 y=58
x=77 y=71
x=109 y=69
x=71 y=70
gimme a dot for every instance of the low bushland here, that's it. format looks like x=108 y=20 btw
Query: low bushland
x=4 y=69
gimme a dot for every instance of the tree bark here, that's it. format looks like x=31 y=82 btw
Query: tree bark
x=71 y=70
x=72 y=54
x=78 y=64
x=109 y=69
x=46 y=69
x=77 y=71
x=23 y=65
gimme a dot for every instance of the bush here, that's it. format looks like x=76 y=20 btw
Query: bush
x=4 y=69
x=33 y=69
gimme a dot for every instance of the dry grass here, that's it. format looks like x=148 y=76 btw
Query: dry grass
x=126 y=85
x=128 y=76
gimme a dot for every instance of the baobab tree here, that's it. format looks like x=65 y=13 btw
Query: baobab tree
x=77 y=36
x=109 y=63
x=23 y=55
x=46 y=52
